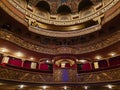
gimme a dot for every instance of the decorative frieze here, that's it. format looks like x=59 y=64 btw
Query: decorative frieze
x=56 y=21
x=78 y=49
x=11 y=74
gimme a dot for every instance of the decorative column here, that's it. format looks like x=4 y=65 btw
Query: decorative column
x=108 y=62
x=22 y=62
x=5 y=59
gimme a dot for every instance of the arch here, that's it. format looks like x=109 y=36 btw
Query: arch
x=84 y=4
x=43 y=5
x=64 y=9
x=58 y=62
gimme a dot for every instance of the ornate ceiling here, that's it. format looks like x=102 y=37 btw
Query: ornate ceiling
x=55 y=31
x=54 y=6
x=82 y=27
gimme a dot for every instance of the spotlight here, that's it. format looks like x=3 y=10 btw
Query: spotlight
x=65 y=87
x=82 y=61
x=112 y=54
x=47 y=61
x=19 y=54
x=86 y=87
x=44 y=87
x=4 y=50
x=98 y=57
x=21 y=86
x=31 y=58
x=109 y=86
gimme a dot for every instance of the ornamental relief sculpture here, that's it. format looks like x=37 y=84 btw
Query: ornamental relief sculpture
x=89 y=47
x=70 y=21
x=82 y=78
x=39 y=30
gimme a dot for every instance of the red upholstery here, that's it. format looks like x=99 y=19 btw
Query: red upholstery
x=102 y=64
x=74 y=66
x=67 y=65
x=43 y=66
x=114 y=61
x=86 y=67
x=27 y=64
x=15 y=61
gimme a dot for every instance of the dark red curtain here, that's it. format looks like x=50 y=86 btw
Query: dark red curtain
x=102 y=64
x=55 y=66
x=15 y=62
x=74 y=66
x=114 y=61
x=43 y=66
x=67 y=65
x=86 y=67
x=27 y=64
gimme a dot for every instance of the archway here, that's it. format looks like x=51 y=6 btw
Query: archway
x=43 y=5
x=64 y=9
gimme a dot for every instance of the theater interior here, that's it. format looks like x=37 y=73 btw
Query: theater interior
x=59 y=45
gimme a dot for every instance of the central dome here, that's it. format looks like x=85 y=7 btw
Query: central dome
x=63 y=15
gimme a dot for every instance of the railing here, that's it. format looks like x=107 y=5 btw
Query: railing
x=11 y=74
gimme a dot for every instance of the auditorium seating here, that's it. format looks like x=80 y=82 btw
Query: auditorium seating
x=48 y=67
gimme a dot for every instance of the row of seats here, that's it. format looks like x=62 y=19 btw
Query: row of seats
x=44 y=66
x=99 y=65
x=29 y=65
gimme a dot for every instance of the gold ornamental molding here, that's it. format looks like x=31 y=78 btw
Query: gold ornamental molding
x=45 y=18
x=10 y=74
x=73 y=33
x=17 y=17
x=68 y=33
x=40 y=28
x=110 y=75
x=77 y=49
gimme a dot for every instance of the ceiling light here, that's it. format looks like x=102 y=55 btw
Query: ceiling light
x=98 y=57
x=31 y=58
x=47 y=61
x=44 y=87
x=86 y=87
x=4 y=50
x=112 y=54
x=19 y=54
x=109 y=86
x=65 y=87
x=82 y=61
x=77 y=60
x=21 y=86
x=1 y=83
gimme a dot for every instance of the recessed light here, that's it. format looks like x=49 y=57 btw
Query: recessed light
x=21 y=86
x=86 y=87
x=44 y=87
x=1 y=84
x=65 y=87
x=31 y=58
x=77 y=60
x=109 y=86
x=98 y=57
x=82 y=61
x=19 y=54
x=47 y=61
x=4 y=50
x=112 y=54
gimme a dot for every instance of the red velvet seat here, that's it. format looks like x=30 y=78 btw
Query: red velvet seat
x=43 y=66
x=15 y=61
